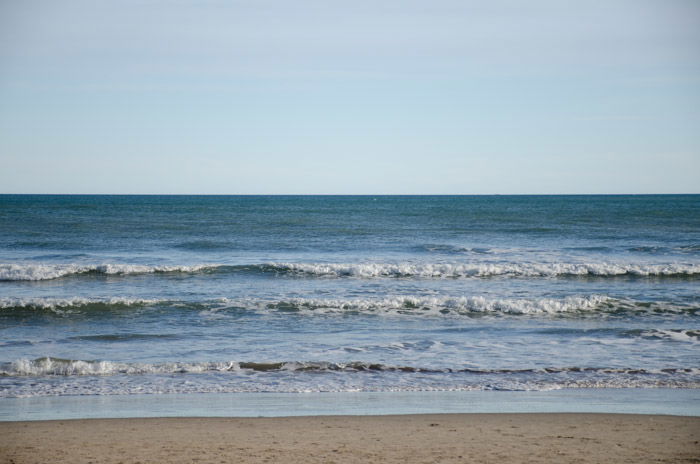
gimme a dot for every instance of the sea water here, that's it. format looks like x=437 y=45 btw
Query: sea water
x=192 y=295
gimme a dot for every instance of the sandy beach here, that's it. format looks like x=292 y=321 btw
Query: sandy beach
x=444 y=438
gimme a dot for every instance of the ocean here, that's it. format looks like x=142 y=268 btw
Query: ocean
x=286 y=295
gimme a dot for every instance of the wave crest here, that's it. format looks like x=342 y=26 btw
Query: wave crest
x=457 y=270
x=34 y=272
x=676 y=335
x=395 y=305
x=66 y=367
x=444 y=305
x=67 y=305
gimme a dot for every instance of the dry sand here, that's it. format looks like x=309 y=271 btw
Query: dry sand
x=430 y=438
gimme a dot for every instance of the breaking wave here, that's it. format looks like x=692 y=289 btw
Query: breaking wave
x=397 y=305
x=677 y=335
x=70 y=305
x=48 y=366
x=456 y=270
x=50 y=377
x=459 y=305
x=36 y=272
x=32 y=272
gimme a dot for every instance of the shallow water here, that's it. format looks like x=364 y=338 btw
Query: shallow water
x=678 y=402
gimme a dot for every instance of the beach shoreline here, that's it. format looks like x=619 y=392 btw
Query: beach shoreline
x=653 y=401
x=501 y=437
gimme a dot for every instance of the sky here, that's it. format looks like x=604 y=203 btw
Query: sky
x=360 y=97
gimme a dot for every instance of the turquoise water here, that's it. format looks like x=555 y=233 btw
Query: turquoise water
x=191 y=295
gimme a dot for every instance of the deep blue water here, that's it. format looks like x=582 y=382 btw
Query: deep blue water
x=194 y=294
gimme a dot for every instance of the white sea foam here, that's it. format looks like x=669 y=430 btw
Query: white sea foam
x=90 y=386
x=66 y=367
x=445 y=305
x=455 y=270
x=60 y=304
x=37 y=271
x=32 y=271
x=44 y=377
x=691 y=336
x=391 y=305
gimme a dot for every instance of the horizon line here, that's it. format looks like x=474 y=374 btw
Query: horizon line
x=348 y=194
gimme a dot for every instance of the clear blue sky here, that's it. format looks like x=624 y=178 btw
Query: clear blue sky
x=362 y=96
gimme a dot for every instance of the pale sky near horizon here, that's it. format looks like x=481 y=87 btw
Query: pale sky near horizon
x=362 y=97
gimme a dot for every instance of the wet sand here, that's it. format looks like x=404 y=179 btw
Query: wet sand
x=429 y=438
